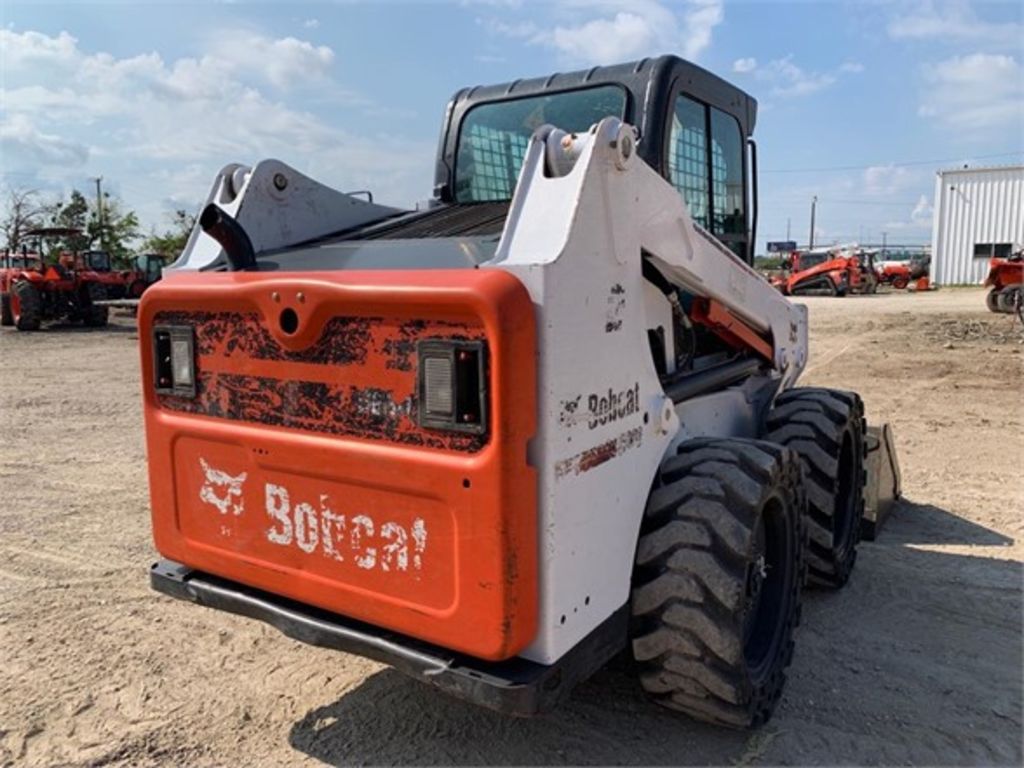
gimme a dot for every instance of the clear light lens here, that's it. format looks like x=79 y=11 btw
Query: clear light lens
x=438 y=387
x=181 y=362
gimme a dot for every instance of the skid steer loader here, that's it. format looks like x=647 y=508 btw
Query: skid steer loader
x=494 y=442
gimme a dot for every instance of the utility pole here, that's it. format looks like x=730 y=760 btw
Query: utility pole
x=99 y=209
x=810 y=241
x=787 y=229
x=883 y=245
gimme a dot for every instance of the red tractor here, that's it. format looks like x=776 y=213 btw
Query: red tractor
x=33 y=292
x=11 y=264
x=1006 y=276
x=148 y=268
x=824 y=271
x=899 y=274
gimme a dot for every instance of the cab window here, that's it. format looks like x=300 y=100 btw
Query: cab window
x=726 y=175
x=705 y=163
x=493 y=137
x=688 y=157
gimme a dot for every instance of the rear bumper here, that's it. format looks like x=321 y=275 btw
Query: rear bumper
x=514 y=687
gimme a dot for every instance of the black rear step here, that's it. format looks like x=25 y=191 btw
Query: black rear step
x=513 y=687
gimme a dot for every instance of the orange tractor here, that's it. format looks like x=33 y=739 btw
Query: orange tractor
x=1006 y=277
x=32 y=291
x=146 y=269
x=901 y=274
x=822 y=271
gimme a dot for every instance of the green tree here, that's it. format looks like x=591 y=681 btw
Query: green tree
x=72 y=213
x=113 y=229
x=172 y=242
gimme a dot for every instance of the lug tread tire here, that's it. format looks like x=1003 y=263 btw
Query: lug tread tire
x=30 y=304
x=689 y=587
x=813 y=422
x=95 y=317
x=6 y=317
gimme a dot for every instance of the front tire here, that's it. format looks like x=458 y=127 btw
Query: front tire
x=826 y=429
x=6 y=316
x=717 y=581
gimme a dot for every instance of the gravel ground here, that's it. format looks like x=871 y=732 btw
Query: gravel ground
x=917 y=661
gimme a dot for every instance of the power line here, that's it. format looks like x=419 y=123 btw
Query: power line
x=888 y=165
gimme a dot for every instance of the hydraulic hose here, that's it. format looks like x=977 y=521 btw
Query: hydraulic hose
x=231 y=236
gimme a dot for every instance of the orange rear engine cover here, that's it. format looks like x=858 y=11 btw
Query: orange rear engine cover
x=300 y=467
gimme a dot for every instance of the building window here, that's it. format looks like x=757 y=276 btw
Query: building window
x=992 y=250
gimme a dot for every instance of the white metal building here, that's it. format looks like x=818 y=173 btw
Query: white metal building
x=979 y=213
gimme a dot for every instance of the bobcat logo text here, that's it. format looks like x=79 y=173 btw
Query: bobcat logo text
x=345 y=538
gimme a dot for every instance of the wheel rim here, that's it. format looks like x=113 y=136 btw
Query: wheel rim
x=768 y=590
x=15 y=306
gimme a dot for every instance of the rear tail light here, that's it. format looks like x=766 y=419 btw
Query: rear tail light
x=452 y=385
x=174 y=361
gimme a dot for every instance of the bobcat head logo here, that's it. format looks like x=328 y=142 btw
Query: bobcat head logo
x=229 y=487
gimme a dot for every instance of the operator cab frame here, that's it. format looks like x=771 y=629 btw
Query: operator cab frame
x=695 y=130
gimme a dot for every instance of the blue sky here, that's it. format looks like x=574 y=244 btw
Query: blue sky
x=857 y=100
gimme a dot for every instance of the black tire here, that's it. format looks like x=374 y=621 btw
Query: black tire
x=27 y=307
x=1007 y=299
x=992 y=300
x=95 y=317
x=826 y=429
x=717 y=581
x=6 y=317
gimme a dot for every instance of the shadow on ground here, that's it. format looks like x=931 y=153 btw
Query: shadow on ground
x=918 y=660
x=390 y=719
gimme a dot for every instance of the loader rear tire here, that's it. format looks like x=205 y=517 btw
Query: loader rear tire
x=26 y=306
x=6 y=316
x=1009 y=299
x=992 y=300
x=717 y=581
x=826 y=429
x=94 y=316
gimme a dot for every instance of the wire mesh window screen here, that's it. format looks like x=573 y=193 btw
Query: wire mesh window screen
x=688 y=157
x=494 y=136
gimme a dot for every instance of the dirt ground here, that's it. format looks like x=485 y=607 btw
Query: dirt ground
x=918 y=661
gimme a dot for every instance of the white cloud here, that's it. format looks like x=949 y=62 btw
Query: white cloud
x=920 y=219
x=954 y=22
x=23 y=145
x=922 y=213
x=65 y=110
x=744 y=65
x=282 y=62
x=979 y=91
x=885 y=179
x=787 y=79
x=311 y=23
x=612 y=31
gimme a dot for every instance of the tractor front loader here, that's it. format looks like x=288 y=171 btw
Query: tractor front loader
x=545 y=419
